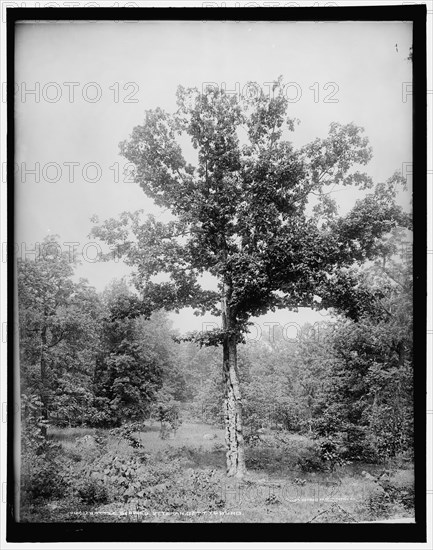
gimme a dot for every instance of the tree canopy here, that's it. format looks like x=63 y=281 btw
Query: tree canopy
x=256 y=213
x=243 y=210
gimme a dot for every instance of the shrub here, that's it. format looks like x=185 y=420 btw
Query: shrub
x=43 y=480
x=310 y=460
x=332 y=452
x=282 y=451
x=193 y=490
x=167 y=411
x=92 y=491
x=157 y=482
x=125 y=473
x=128 y=432
x=73 y=455
x=33 y=441
x=390 y=496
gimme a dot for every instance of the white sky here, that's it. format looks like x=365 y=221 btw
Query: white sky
x=366 y=62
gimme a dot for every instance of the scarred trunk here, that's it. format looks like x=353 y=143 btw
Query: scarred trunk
x=232 y=398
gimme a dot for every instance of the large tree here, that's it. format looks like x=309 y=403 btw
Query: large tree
x=254 y=212
x=58 y=321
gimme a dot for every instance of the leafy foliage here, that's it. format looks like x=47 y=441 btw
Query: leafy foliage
x=241 y=213
x=92 y=492
x=59 y=333
x=391 y=494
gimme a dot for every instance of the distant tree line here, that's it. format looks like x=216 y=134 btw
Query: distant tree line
x=87 y=359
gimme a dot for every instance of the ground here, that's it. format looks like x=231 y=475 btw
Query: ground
x=103 y=477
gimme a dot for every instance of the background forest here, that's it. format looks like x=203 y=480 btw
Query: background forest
x=102 y=392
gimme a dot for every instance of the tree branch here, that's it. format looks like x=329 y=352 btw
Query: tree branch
x=59 y=339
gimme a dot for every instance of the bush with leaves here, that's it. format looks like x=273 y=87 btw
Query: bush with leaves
x=43 y=479
x=92 y=491
x=280 y=452
x=391 y=495
x=157 y=482
x=166 y=411
x=193 y=491
x=129 y=432
x=33 y=422
x=121 y=474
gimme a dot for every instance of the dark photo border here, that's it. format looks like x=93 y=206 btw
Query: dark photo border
x=239 y=532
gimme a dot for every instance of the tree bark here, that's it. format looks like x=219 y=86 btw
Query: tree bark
x=44 y=397
x=232 y=395
x=399 y=408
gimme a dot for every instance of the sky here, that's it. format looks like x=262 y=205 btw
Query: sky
x=81 y=87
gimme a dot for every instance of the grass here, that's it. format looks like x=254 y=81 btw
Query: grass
x=276 y=489
x=69 y=434
x=188 y=435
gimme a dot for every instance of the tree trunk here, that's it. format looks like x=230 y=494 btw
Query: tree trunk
x=44 y=397
x=232 y=398
x=399 y=405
